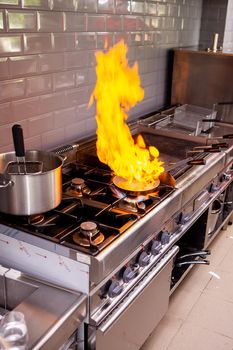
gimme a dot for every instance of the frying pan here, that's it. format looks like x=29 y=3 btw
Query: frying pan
x=136 y=188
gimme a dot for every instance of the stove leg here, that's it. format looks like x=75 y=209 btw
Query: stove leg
x=90 y=338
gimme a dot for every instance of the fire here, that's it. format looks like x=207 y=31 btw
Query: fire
x=118 y=89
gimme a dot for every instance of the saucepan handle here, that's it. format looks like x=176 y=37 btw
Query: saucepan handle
x=5 y=182
x=17 y=133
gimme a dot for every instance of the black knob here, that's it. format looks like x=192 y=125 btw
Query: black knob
x=183 y=218
x=115 y=289
x=128 y=274
x=213 y=188
x=156 y=247
x=225 y=177
x=165 y=237
x=144 y=259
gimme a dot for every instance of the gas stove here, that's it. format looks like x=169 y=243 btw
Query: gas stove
x=115 y=246
x=90 y=200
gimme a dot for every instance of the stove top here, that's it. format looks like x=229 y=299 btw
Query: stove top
x=91 y=199
x=94 y=212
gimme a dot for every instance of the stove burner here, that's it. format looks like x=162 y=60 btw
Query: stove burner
x=35 y=219
x=78 y=187
x=88 y=235
x=89 y=228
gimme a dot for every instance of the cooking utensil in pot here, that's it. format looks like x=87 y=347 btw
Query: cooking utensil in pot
x=31 y=193
x=21 y=166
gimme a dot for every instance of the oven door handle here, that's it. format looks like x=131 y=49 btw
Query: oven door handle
x=108 y=323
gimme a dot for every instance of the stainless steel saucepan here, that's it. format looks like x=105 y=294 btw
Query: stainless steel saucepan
x=29 y=193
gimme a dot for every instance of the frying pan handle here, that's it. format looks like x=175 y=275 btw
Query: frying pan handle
x=220 y=145
x=17 y=133
x=228 y=136
x=197 y=162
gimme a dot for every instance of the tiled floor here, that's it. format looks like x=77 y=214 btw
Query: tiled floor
x=200 y=314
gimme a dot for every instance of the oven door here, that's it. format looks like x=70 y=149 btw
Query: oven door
x=132 y=321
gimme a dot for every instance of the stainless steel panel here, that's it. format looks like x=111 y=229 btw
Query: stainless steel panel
x=143 y=310
x=201 y=78
x=52 y=314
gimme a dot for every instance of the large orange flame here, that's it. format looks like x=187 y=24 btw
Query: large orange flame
x=118 y=89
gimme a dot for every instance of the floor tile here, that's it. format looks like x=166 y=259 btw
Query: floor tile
x=192 y=337
x=220 y=247
x=221 y=286
x=163 y=334
x=182 y=302
x=212 y=313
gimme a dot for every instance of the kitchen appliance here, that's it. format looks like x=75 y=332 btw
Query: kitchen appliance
x=48 y=325
x=119 y=247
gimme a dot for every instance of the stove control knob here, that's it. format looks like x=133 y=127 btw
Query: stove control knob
x=225 y=177
x=213 y=188
x=184 y=218
x=128 y=274
x=144 y=259
x=165 y=237
x=115 y=289
x=156 y=247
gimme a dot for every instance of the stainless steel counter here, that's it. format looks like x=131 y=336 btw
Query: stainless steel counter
x=52 y=314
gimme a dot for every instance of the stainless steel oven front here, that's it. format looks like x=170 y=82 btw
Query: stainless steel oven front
x=129 y=324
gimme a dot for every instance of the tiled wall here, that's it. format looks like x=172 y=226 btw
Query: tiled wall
x=228 y=36
x=47 y=62
x=213 y=21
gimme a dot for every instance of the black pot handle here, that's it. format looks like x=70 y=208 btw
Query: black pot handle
x=17 y=133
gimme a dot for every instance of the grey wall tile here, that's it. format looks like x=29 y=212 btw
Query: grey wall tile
x=75 y=22
x=50 y=21
x=105 y=6
x=5 y=113
x=96 y=23
x=33 y=143
x=23 y=65
x=4 y=68
x=38 y=4
x=113 y=23
x=52 y=138
x=38 y=43
x=38 y=85
x=66 y=5
x=9 y=2
x=86 y=41
x=64 y=117
x=104 y=39
x=49 y=45
x=10 y=44
x=87 y=5
x=12 y=89
x=64 y=41
x=21 y=20
x=122 y=6
x=51 y=62
x=64 y=80
x=41 y=124
x=52 y=102
x=76 y=59
x=25 y=108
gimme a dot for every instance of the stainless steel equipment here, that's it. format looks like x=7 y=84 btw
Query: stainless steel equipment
x=201 y=78
x=119 y=248
x=28 y=194
x=52 y=314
